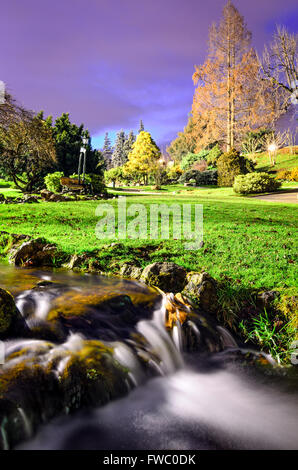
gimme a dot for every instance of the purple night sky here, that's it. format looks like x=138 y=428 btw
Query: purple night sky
x=110 y=63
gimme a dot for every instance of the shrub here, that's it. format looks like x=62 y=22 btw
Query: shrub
x=188 y=176
x=174 y=173
x=294 y=174
x=191 y=158
x=201 y=165
x=52 y=181
x=287 y=175
x=230 y=165
x=255 y=183
x=213 y=155
x=114 y=175
x=201 y=178
x=97 y=183
x=284 y=175
x=207 y=178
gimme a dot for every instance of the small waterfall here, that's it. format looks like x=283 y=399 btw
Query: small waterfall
x=26 y=422
x=227 y=339
x=148 y=344
x=5 y=444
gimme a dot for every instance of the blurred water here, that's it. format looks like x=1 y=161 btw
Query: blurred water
x=198 y=401
x=187 y=410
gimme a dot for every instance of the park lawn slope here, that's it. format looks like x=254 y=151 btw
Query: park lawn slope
x=285 y=160
x=251 y=242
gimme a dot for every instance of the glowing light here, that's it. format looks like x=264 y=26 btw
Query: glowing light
x=272 y=147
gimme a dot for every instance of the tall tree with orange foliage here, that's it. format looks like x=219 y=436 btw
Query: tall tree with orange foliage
x=231 y=98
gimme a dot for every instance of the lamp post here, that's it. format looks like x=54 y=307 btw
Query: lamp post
x=83 y=149
x=272 y=148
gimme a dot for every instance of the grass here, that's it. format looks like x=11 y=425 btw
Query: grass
x=250 y=241
x=273 y=336
x=284 y=161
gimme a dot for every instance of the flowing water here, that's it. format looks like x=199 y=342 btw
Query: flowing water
x=202 y=393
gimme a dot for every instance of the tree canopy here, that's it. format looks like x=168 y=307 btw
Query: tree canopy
x=143 y=159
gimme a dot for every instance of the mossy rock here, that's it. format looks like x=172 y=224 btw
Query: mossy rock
x=130 y=271
x=7 y=311
x=37 y=252
x=92 y=377
x=202 y=289
x=287 y=304
x=169 y=277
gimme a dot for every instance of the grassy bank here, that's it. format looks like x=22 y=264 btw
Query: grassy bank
x=284 y=160
x=250 y=241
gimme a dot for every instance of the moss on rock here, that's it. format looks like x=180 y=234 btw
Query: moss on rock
x=169 y=277
x=7 y=311
x=287 y=304
x=201 y=288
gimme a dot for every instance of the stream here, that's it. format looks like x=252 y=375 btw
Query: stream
x=189 y=387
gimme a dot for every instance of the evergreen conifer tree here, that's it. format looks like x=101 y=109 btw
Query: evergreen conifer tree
x=119 y=155
x=142 y=128
x=107 y=152
x=129 y=143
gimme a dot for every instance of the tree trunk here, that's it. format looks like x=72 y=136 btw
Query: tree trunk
x=229 y=96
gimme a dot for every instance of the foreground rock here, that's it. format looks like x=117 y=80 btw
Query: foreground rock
x=130 y=271
x=202 y=289
x=11 y=321
x=169 y=277
x=34 y=389
x=37 y=252
x=7 y=311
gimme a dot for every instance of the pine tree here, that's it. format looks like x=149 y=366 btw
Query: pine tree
x=142 y=128
x=119 y=155
x=107 y=152
x=129 y=144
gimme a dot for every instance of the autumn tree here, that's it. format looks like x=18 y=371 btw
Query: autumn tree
x=143 y=159
x=279 y=64
x=185 y=142
x=11 y=112
x=27 y=151
x=230 y=98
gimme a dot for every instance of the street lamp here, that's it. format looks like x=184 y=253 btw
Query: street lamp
x=272 y=148
x=85 y=143
x=83 y=149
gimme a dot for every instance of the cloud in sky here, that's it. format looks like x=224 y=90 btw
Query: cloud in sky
x=111 y=63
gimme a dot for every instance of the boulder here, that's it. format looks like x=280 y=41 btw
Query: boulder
x=56 y=198
x=201 y=288
x=36 y=252
x=167 y=276
x=265 y=299
x=130 y=271
x=28 y=198
x=46 y=194
x=78 y=261
x=7 y=311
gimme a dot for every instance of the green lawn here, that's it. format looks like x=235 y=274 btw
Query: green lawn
x=284 y=161
x=250 y=241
